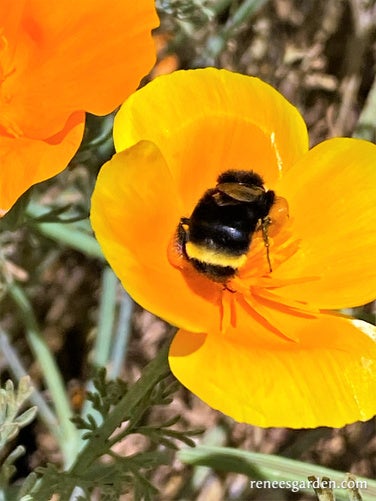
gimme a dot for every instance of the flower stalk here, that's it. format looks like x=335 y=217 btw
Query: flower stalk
x=65 y=433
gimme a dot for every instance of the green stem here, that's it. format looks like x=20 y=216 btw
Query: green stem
x=269 y=467
x=70 y=236
x=66 y=433
x=244 y=12
x=122 y=334
x=103 y=340
x=98 y=445
x=219 y=6
x=73 y=235
x=106 y=322
x=366 y=126
x=216 y=43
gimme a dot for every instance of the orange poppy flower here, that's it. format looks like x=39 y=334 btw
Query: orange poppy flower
x=263 y=347
x=55 y=64
x=166 y=63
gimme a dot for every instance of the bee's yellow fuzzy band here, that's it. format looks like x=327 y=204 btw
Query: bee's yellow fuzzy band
x=213 y=257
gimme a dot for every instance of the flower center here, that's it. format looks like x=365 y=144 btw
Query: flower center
x=251 y=286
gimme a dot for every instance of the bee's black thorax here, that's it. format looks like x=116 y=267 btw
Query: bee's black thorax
x=227 y=226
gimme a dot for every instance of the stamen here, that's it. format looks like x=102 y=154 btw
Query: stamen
x=269 y=282
x=259 y=315
x=276 y=301
x=227 y=311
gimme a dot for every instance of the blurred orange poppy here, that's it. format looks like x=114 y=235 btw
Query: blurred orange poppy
x=264 y=348
x=55 y=64
x=166 y=62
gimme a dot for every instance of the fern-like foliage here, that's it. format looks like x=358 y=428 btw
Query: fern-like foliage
x=99 y=468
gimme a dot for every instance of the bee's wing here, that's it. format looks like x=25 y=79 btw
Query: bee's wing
x=240 y=192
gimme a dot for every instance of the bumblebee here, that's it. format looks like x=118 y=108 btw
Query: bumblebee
x=217 y=236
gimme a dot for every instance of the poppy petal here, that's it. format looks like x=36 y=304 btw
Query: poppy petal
x=326 y=379
x=250 y=124
x=90 y=56
x=25 y=162
x=135 y=211
x=333 y=224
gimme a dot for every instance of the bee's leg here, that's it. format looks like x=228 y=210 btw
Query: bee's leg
x=265 y=223
x=184 y=221
x=183 y=234
x=226 y=288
